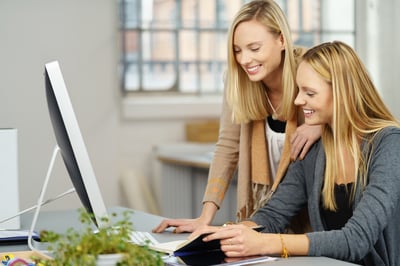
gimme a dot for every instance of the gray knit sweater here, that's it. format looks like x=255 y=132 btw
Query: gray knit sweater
x=372 y=234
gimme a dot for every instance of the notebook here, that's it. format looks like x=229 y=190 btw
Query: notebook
x=13 y=237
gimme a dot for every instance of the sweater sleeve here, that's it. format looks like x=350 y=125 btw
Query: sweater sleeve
x=377 y=206
x=225 y=158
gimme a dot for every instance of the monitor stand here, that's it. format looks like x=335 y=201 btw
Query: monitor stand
x=31 y=241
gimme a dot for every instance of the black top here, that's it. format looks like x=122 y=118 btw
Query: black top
x=336 y=220
x=276 y=125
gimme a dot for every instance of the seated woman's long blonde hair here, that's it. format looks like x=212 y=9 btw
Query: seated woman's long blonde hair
x=358 y=112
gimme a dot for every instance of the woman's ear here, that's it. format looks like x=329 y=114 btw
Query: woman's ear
x=282 y=41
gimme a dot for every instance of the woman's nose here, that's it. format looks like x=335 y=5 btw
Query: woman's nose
x=299 y=100
x=244 y=58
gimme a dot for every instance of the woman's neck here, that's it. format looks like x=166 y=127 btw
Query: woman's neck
x=273 y=85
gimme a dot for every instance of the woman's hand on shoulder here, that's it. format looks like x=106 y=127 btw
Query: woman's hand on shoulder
x=302 y=140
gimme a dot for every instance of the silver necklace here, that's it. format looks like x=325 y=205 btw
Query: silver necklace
x=274 y=113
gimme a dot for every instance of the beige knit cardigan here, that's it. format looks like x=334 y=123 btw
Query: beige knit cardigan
x=243 y=147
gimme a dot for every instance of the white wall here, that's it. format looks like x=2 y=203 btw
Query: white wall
x=388 y=43
x=83 y=36
x=378 y=45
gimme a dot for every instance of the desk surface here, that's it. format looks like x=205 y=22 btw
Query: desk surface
x=59 y=221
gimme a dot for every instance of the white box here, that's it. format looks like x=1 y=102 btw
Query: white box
x=9 y=196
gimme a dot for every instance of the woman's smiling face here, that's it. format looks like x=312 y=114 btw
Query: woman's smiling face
x=315 y=96
x=257 y=50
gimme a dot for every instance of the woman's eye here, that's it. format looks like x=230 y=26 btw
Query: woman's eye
x=255 y=49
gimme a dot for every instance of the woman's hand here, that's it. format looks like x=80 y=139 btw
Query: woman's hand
x=301 y=141
x=181 y=225
x=189 y=225
x=237 y=240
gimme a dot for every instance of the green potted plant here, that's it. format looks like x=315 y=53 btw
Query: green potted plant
x=84 y=247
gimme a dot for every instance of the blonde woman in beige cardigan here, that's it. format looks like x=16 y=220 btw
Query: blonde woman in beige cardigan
x=259 y=97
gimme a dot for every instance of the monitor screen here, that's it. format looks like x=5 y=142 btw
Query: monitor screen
x=71 y=145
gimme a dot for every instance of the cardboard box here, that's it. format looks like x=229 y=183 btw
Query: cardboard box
x=202 y=131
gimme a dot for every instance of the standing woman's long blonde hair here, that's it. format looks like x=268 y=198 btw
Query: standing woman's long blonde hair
x=358 y=112
x=246 y=98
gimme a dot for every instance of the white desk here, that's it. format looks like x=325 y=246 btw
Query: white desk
x=59 y=221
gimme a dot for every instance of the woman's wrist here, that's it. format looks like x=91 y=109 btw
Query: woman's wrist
x=272 y=244
x=249 y=223
x=285 y=251
x=208 y=212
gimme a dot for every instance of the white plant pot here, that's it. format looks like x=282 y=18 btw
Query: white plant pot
x=108 y=259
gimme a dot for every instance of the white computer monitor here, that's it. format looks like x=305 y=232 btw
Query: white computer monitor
x=71 y=145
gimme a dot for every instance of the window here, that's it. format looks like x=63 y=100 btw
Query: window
x=179 y=46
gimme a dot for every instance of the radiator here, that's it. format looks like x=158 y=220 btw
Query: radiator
x=182 y=193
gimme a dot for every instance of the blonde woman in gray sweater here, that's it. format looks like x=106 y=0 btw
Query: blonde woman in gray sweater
x=350 y=180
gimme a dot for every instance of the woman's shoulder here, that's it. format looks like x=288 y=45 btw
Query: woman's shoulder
x=385 y=133
x=389 y=130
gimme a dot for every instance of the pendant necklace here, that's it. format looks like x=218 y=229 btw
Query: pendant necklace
x=274 y=114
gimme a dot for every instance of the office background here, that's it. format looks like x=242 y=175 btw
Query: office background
x=84 y=37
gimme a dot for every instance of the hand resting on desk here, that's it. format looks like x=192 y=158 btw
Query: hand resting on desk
x=181 y=225
x=189 y=225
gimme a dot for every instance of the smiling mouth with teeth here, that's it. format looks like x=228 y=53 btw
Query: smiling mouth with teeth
x=253 y=69
x=308 y=112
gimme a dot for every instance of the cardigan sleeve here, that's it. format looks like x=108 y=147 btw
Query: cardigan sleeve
x=225 y=158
